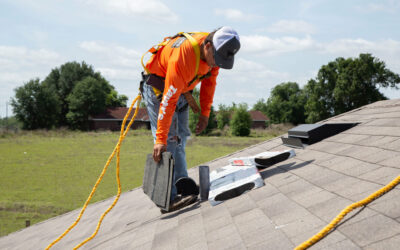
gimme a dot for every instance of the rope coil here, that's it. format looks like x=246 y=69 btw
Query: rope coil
x=116 y=150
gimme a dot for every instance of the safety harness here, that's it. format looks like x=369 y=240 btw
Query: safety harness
x=167 y=39
x=196 y=47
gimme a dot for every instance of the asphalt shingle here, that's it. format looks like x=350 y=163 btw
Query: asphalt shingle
x=301 y=195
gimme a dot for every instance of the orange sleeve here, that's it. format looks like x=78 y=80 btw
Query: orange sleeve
x=180 y=70
x=207 y=90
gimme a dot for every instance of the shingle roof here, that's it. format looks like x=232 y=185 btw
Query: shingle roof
x=301 y=195
x=120 y=112
x=258 y=115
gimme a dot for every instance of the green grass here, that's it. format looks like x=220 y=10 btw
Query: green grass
x=44 y=174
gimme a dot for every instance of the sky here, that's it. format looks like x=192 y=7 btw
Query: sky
x=281 y=41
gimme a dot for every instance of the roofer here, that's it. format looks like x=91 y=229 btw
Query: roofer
x=173 y=71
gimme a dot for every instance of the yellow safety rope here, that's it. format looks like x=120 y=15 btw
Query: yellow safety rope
x=314 y=239
x=115 y=151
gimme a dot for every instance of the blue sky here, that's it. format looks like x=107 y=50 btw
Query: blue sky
x=281 y=40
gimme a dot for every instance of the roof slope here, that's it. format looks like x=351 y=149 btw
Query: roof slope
x=301 y=195
x=257 y=115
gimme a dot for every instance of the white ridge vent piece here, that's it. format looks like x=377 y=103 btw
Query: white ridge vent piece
x=263 y=160
x=231 y=181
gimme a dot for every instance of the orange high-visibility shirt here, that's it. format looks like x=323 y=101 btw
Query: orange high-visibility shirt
x=176 y=62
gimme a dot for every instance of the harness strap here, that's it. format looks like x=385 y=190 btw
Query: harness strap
x=154 y=50
x=196 y=49
x=157 y=92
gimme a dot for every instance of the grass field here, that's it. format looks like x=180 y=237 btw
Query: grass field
x=44 y=174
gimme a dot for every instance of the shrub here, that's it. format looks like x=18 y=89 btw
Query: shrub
x=241 y=121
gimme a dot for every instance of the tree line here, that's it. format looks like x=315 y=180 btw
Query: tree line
x=236 y=117
x=65 y=98
x=74 y=91
x=340 y=86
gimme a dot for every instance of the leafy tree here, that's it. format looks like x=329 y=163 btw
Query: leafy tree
x=115 y=100
x=10 y=123
x=55 y=102
x=241 y=121
x=346 y=84
x=35 y=105
x=212 y=122
x=194 y=118
x=223 y=116
x=88 y=97
x=142 y=104
x=286 y=104
x=261 y=106
x=63 y=80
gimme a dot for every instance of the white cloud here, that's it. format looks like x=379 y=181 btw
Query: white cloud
x=18 y=65
x=112 y=54
x=19 y=57
x=248 y=82
x=386 y=50
x=115 y=62
x=306 y=7
x=34 y=35
x=353 y=47
x=244 y=95
x=149 y=9
x=246 y=67
x=119 y=73
x=251 y=80
x=265 y=45
x=292 y=26
x=109 y=49
x=347 y=46
x=391 y=6
x=235 y=15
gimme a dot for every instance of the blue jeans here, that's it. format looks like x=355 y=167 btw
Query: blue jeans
x=178 y=132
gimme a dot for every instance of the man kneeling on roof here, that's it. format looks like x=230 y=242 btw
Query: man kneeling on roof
x=173 y=71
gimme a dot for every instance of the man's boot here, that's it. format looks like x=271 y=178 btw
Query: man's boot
x=180 y=202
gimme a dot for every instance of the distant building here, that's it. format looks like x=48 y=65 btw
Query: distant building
x=259 y=120
x=112 y=119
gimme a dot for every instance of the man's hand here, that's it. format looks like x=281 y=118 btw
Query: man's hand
x=202 y=124
x=157 y=151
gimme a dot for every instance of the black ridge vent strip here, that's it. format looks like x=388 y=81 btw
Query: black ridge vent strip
x=307 y=134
